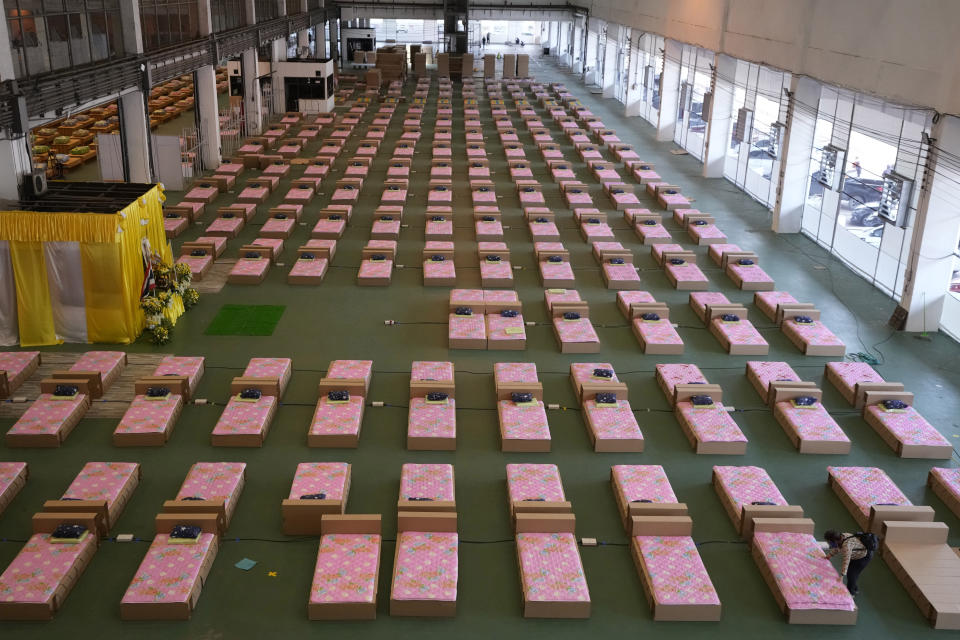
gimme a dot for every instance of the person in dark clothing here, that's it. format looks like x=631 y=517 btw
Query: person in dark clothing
x=854 y=557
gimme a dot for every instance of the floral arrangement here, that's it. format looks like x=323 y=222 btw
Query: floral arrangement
x=169 y=282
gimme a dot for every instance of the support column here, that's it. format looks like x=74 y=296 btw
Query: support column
x=135 y=120
x=795 y=154
x=205 y=93
x=934 y=239
x=135 y=134
x=251 y=92
x=335 y=41
x=669 y=90
x=15 y=155
x=320 y=39
x=718 y=127
x=609 y=84
x=633 y=105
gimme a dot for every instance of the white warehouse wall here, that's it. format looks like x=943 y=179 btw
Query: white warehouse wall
x=902 y=50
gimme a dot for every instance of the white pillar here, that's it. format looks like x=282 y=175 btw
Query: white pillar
x=937 y=219
x=136 y=136
x=335 y=42
x=320 y=39
x=610 y=67
x=795 y=156
x=15 y=156
x=633 y=105
x=718 y=127
x=669 y=90
x=205 y=93
x=130 y=21
x=251 y=92
x=204 y=18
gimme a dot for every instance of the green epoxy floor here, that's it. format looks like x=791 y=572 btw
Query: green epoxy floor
x=340 y=320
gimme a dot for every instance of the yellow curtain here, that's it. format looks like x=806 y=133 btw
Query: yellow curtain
x=112 y=255
x=103 y=291
x=34 y=312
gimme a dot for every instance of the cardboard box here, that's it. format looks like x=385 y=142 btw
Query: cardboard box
x=509 y=65
x=489 y=66
x=523 y=65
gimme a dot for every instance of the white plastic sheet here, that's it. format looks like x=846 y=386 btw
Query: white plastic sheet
x=65 y=280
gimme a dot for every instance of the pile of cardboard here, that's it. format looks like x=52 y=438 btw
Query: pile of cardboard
x=392 y=63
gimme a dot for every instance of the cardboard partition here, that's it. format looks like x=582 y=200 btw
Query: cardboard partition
x=208 y=522
x=637 y=309
x=87 y=382
x=679 y=525
x=267 y=386
x=683 y=392
x=354 y=386
x=545 y=523
x=416 y=521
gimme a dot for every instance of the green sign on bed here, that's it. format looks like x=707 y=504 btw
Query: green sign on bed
x=245 y=320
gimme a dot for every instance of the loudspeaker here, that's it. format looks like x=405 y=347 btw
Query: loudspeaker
x=36 y=185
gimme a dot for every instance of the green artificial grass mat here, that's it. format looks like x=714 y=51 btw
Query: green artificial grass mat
x=246 y=320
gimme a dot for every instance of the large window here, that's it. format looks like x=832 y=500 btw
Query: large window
x=857 y=139
x=59 y=34
x=166 y=22
x=757 y=115
x=695 y=74
x=227 y=14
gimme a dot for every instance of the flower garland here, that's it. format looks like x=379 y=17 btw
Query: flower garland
x=169 y=281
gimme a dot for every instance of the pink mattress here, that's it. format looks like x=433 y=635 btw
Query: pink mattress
x=500 y=295
x=219 y=242
x=623 y=198
x=331 y=419
x=583 y=372
x=440 y=194
x=556 y=270
x=296 y=194
x=815 y=333
x=908 y=427
x=488 y=228
x=950 y=479
x=531 y=196
x=9 y=473
x=497 y=327
x=550 y=568
x=674 y=199
x=316 y=267
x=316 y=170
x=269 y=368
x=232 y=169
x=644 y=482
x=434 y=481
x=805 y=577
x=652 y=231
x=511 y=372
x=706 y=232
x=545 y=229
x=327 y=226
x=534 y=482
x=749 y=273
x=687 y=272
x=811 y=423
x=274 y=244
x=496 y=270
x=438 y=270
x=717 y=250
x=593 y=231
x=673 y=374
x=351 y=370
x=628 y=298
x=621 y=272
x=197 y=264
x=658 y=250
x=711 y=423
x=432 y=420
x=101 y=481
x=202 y=194
x=214 y=481
x=425 y=370
x=240 y=417
x=426 y=566
x=657 y=331
x=850 y=374
x=386 y=227
x=250 y=267
x=770 y=299
x=47 y=415
x=375 y=269
x=311 y=478
x=675 y=570
x=580 y=330
x=523 y=422
x=563 y=173
x=466 y=297
x=740 y=332
x=225 y=225
x=149 y=415
x=254 y=194
x=437 y=228
x=169 y=572
x=746 y=485
x=613 y=423
x=767 y=372
x=577 y=197
x=108 y=363
x=41 y=566
x=349 y=193
x=346 y=569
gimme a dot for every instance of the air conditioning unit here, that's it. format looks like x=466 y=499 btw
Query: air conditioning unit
x=776 y=139
x=35 y=184
x=706 y=112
